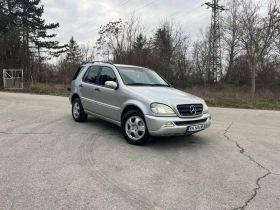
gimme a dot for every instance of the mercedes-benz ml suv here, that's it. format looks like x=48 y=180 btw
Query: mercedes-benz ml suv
x=137 y=99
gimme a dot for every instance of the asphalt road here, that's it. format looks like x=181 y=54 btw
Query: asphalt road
x=48 y=161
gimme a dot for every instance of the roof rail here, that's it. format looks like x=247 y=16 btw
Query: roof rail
x=102 y=62
x=98 y=62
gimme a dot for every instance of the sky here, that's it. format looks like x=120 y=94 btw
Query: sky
x=82 y=19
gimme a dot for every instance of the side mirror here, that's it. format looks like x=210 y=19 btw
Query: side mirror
x=111 y=85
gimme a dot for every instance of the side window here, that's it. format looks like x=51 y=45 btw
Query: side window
x=79 y=70
x=91 y=74
x=107 y=74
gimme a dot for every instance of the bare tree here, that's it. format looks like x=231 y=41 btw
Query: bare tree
x=200 y=56
x=111 y=39
x=85 y=52
x=258 y=34
x=133 y=27
x=231 y=35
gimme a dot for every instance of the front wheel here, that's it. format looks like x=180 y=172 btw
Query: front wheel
x=134 y=128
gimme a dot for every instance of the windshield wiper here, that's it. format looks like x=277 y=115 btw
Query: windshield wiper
x=146 y=84
x=163 y=85
x=139 y=83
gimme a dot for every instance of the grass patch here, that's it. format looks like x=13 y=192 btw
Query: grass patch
x=216 y=95
x=238 y=103
x=237 y=97
x=42 y=89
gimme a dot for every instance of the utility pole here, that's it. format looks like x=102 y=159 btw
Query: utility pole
x=215 y=60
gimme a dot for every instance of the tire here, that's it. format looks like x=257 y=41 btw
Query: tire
x=134 y=128
x=78 y=112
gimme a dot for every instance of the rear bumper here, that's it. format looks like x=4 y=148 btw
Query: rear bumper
x=70 y=98
x=168 y=126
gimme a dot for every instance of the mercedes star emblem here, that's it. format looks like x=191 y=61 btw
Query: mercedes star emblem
x=192 y=110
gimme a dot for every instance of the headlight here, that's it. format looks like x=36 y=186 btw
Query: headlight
x=205 y=108
x=161 y=109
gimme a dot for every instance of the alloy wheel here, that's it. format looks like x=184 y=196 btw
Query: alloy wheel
x=135 y=128
x=76 y=110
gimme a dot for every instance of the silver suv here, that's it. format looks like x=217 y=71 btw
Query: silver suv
x=138 y=100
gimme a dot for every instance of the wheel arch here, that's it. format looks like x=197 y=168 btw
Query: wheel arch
x=142 y=107
x=128 y=108
x=74 y=96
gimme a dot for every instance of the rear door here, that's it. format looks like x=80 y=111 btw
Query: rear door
x=73 y=82
x=108 y=100
x=88 y=88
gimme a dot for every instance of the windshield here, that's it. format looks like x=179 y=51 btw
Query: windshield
x=141 y=76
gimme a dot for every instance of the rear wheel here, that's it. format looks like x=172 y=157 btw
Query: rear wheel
x=78 y=112
x=134 y=128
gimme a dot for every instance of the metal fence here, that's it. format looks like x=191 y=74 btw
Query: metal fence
x=13 y=78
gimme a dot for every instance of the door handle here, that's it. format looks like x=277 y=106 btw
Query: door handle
x=97 y=89
x=80 y=85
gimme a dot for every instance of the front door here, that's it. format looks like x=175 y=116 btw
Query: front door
x=107 y=100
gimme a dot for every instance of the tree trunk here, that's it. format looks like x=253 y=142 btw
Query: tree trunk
x=230 y=64
x=253 y=88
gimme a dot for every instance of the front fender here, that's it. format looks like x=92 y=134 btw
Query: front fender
x=144 y=107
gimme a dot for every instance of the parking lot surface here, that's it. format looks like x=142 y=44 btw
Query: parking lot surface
x=49 y=161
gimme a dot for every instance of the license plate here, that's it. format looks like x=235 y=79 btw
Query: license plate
x=192 y=128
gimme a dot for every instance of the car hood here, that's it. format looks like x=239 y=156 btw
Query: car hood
x=167 y=95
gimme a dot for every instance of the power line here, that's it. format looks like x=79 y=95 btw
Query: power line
x=189 y=12
x=190 y=24
x=123 y=16
x=98 y=16
x=173 y=13
x=182 y=16
x=189 y=17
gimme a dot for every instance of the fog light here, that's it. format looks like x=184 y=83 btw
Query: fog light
x=169 y=124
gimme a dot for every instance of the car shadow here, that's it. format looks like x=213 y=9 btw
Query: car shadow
x=177 y=141
x=162 y=142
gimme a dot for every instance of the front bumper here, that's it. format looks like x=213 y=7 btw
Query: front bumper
x=157 y=125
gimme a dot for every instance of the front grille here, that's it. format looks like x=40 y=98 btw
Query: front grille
x=184 y=109
x=182 y=123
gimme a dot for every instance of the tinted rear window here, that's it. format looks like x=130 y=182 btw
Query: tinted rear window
x=79 y=70
x=91 y=74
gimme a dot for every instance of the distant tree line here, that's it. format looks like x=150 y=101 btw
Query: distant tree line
x=250 y=43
